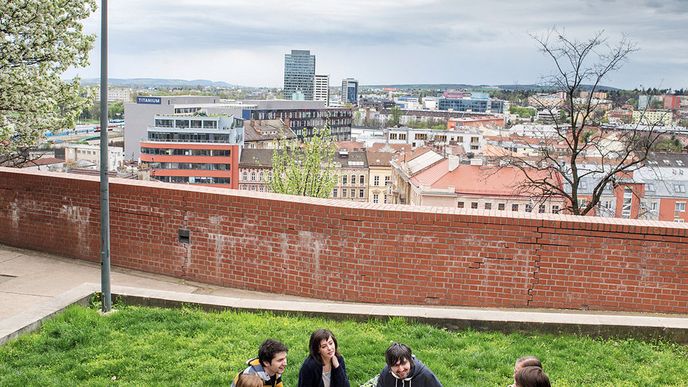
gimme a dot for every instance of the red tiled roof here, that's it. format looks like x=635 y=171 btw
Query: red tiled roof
x=480 y=180
x=432 y=174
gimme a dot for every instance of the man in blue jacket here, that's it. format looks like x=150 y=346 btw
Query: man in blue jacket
x=403 y=367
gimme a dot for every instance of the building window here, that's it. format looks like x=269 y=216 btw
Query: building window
x=244 y=176
x=253 y=176
x=650 y=187
x=555 y=209
x=376 y=198
x=501 y=206
x=514 y=207
x=334 y=193
x=376 y=180
x=361 y=179
x=474 y=205
x=680 y=188
x=680 y=207
x=627 y=202
x=385 y=198
x=344 y=180
x=361 y=193
x=387 y=180
x=459 y=204
x=542 y=209
x=343 y=192
x=488 y=206
x=529 y=208
x=353 y=179
x=260 y=175
x=392 y=136
x=402 y=136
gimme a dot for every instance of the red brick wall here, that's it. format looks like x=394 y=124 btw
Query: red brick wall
x=355 y=251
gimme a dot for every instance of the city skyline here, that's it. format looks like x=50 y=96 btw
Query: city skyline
x=387 y=42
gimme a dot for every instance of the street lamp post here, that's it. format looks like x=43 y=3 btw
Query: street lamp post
x=104 y=184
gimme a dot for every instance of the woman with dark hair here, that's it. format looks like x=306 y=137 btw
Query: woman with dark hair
x=324 y=366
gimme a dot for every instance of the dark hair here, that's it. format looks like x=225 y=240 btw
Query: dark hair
x=397 y=353
x=269 y=349
x=532 y=376
x=528 y=361
x=314 y=344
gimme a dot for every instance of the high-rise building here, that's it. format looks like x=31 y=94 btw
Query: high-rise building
x=322 y=89
x=299 y=74
x=350 y=91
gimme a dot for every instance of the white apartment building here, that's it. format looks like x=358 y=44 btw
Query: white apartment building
x=470 y=138
x=321 y=89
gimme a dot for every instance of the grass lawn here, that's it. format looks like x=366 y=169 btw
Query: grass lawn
x=144 y=346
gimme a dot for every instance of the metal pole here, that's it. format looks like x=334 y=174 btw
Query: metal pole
x=104 y=187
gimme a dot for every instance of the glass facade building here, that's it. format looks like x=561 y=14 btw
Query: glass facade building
x=299 y=74
x=350 y=91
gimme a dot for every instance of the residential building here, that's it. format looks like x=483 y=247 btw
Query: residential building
x=350 y=91
x=665 y=187
x=352 y=179
x=265 y=134
x=299 y=74
x=115 y=94
x=321 y=89
x=380 y=176
x=653 y=117
x=194 y=149
x=432 y=180
x=255 y=169
x=405 y=166
x=470 y=138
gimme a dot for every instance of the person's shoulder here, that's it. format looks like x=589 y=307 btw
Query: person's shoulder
x=309 y=363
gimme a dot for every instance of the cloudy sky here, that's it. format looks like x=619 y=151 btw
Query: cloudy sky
x=384 y=41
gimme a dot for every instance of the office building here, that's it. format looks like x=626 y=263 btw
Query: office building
x=194 y=149
x=302 y=117
x=139 y=115
x=470 y=102
x=299 y=74
x=350 y=91
x=321 y=89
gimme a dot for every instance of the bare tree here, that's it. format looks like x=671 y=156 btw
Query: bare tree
x=586 y=158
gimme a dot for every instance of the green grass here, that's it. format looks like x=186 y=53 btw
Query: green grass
x=142 y=346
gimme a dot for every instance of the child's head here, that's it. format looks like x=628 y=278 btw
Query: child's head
x=527 y=361
x=531 y=376
x=249 y=381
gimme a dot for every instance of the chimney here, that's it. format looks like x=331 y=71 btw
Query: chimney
x=453 y=162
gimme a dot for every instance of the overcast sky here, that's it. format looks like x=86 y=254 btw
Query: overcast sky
x=384 y=41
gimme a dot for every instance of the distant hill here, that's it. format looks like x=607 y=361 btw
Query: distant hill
x=157 y=82
x=450 y=86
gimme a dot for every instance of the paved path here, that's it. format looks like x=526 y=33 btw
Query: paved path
x=34 y=284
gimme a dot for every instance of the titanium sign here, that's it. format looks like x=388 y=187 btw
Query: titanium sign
x=148 y=100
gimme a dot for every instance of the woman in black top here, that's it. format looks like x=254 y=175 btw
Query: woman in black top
x=324 y=366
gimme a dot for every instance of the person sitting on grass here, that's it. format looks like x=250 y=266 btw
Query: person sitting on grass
x=526 y=361
x=252 y=380
x=269 y=365
x=403 y=367
x=324 y=366
x=532 y=376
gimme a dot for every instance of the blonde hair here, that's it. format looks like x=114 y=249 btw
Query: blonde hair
x=252 y=380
